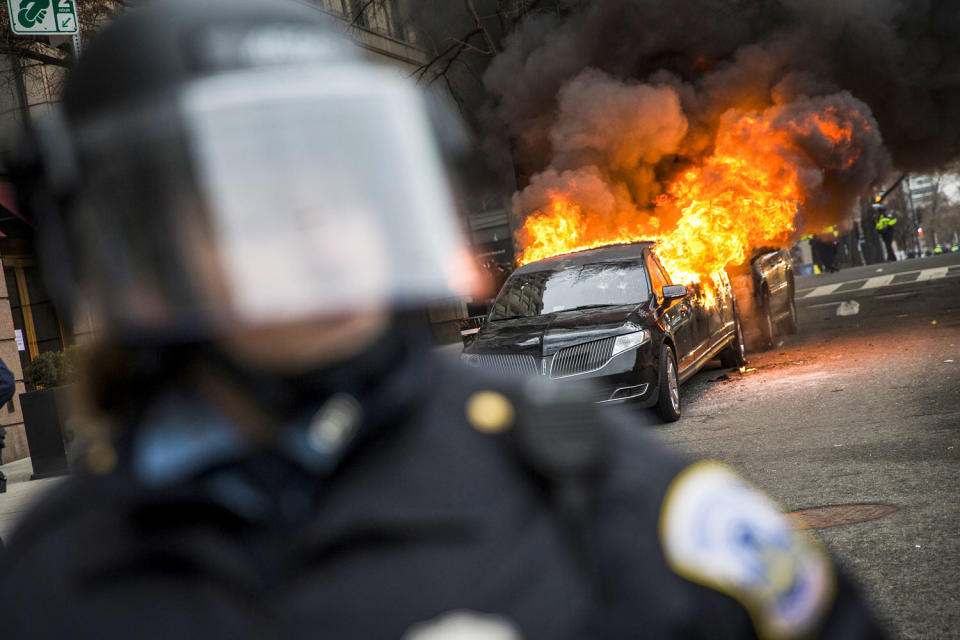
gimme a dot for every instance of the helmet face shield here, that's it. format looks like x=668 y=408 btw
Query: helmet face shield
x=265 y=197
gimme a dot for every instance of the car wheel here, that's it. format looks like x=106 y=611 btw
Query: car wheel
x=790 y=322
x=768 y=330
x=733 y=356
x=668 y=399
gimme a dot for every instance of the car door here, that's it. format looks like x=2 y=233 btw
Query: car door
x=722 y=316
x=705 y=320
x=679 y=315
x=777 y=282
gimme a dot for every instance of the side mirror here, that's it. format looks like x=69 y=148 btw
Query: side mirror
x=674 y=292
x=469 y=328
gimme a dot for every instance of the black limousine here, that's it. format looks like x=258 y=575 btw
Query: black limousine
x=612 y=315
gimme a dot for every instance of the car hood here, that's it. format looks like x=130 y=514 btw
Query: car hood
x=545 y=335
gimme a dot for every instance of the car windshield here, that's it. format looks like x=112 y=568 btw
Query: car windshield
x=602 y=284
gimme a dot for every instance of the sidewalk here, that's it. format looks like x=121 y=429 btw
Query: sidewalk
x=21 y=493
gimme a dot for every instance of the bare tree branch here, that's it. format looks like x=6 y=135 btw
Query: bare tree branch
x=446 y=67
x=935 y=200
x=486 y=34
x=30 y=54
x=360 y=12
x=470 y=47
x=456 y=48
x=456 y=95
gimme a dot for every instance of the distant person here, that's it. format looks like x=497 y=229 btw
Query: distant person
x=830 y=250
x=885 y=224
x=8 y=387
x=817 y=251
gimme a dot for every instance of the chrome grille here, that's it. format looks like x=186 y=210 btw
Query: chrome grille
x=582 y=358
x=509 y=362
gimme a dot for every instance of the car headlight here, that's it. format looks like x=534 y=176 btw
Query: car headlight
x=470 y=359
x=630 y=341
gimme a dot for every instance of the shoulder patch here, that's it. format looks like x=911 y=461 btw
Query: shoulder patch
x=719 y=531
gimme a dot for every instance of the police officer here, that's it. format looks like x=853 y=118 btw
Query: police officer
x=884 y=226
x=253 y=216
x=831 y=248
x=817 y=251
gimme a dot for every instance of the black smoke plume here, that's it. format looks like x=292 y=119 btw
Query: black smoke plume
x=555 y=74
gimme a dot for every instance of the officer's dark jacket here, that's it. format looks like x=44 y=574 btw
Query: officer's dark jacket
x=423 y=515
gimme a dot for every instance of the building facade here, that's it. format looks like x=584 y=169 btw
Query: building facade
x=922 y=191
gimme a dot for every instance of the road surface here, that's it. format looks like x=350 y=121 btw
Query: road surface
x=858 y=409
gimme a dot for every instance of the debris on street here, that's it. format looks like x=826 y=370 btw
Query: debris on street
x=848 y=308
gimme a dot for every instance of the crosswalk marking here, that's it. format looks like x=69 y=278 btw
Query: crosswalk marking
x=877 y=282
x=932 y=274
x=825 y=290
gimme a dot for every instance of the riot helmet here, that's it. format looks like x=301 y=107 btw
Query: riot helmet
x=233 y=164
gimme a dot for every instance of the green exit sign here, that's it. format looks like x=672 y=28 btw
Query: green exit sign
x=43 y=17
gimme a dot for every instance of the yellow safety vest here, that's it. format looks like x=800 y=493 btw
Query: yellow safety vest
x=883 y=222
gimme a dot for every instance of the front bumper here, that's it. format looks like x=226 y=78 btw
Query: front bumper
x=630 y=376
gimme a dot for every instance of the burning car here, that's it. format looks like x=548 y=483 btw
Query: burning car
x=611 y=315
x=766 y=297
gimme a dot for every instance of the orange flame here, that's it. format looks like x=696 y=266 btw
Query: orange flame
x=746 y=194
x=565 y=228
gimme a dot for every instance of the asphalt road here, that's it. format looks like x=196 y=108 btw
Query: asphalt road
x=858 y=409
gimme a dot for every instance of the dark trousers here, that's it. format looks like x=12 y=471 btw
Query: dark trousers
x=887 y=235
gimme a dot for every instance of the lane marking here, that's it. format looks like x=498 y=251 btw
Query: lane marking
x=932 y=274
x=879 y=281
x=824 y=290
x=859 y=292
x=923 y=275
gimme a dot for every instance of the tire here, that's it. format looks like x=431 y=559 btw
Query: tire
x=789 y=324
x=768 y=330
x=733 y=356
x=668 y=398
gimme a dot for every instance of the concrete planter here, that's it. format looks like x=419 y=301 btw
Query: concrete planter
x=47 y=437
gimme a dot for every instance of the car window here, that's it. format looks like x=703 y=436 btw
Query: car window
x=573 y=287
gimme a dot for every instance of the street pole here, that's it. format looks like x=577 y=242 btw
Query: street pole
x=861 y=240
x=913 y=216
